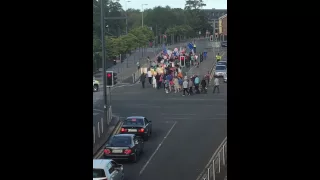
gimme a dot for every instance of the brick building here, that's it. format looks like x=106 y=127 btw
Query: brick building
x=213 y=16
x=223 y=27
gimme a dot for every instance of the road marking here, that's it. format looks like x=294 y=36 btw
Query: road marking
x=98 y=110
x=95 y=114
x=178 y=114
x=185 y=99
x=154 y=153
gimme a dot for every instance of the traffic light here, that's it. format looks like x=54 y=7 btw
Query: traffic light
x=182 y=61
x=111 y=78
x=114 y=78
x=211 y=38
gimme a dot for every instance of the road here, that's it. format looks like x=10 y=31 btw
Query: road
x=98 y=96
x=186 y=130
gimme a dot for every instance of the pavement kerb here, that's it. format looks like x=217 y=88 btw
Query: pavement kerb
x=115 y=130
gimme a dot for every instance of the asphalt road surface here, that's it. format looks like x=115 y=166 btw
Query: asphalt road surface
x=186 y=130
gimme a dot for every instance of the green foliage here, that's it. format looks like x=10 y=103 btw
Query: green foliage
x=174 y=22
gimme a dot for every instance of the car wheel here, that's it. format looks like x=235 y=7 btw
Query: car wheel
x=146 y=137
x=95 y=88
x=134 y=158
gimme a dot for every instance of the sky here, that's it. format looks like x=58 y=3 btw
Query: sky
x=136 y=4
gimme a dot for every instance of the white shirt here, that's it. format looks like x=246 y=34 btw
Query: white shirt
x=149 y=74
x=216 y=82
x=185 y=84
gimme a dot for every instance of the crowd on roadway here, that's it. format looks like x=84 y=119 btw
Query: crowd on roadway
x=165 y=73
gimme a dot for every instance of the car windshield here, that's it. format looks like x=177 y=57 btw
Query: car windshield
x=98 y=173
x=221 y=68
x=222 y=63
x=133 y=122
x=120 y=141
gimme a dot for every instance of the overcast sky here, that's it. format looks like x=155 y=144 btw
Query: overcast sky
x=136 y=4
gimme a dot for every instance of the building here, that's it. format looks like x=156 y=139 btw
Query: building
x=223 y=26
x=213 y=16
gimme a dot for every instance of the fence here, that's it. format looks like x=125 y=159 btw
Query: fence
x=217 y=166
x=99 y=131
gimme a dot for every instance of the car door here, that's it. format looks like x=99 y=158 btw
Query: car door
x=118 y=175
x=137 y=143
x=148 y=124
x=114 y=175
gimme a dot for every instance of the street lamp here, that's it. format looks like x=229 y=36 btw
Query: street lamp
x=142 y=11
x=126 y=16
x=102 y=25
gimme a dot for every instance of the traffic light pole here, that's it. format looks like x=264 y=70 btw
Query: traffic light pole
x=102 y=24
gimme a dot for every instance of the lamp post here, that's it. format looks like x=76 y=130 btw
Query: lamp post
x=126 y=16
x=142 y=12
x=102 y=25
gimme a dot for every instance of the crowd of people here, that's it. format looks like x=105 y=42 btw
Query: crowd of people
x=165 y=73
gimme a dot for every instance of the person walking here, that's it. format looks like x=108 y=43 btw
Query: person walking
x=143 y=79
x=149 y=76
x=158 y=79
x=185 y=87
x=203 y=85
x=216 y=84
x=196 y=84
x=190 y=85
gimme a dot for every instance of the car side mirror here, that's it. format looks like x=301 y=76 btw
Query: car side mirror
x=150 y=121
x=119 y=167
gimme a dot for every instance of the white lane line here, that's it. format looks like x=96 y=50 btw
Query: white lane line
x=178 y=114
x=185 y=99
x=154 y=153
x=98 y=110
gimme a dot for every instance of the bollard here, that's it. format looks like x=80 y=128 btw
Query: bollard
x=101 y=125
x=98 y=130
x=133 y=78
x=94 y=135
x=219 y=160
x=213 y=171
x=208 y=173
x=223 y=154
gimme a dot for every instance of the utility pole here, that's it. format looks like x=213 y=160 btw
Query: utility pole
x=127 y=17
x=103 y=59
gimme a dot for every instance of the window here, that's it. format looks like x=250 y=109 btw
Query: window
x=98 y=173
x=146 y=121
x=133 y=121
x=120 y=141
x=110 y=168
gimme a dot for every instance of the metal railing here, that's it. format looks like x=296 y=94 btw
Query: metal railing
x=99 y=130
x=216 y=168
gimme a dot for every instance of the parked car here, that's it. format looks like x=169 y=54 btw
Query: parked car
x=222 y=63
x=224 y=44
x=96 y=85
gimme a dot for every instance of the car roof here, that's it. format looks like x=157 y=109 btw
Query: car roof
x=222 y=61
x=100 y=163
x=221 y=65
x=135 y=117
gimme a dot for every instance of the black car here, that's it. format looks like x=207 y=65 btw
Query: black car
x=137 y=125
x=124 y=147
x=224 y=44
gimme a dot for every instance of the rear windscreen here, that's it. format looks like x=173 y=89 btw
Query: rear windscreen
x=133 y=122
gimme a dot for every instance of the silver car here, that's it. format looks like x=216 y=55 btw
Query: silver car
x=225 y=78
x=107 y=169
x=221 y=70
x=222 y=63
